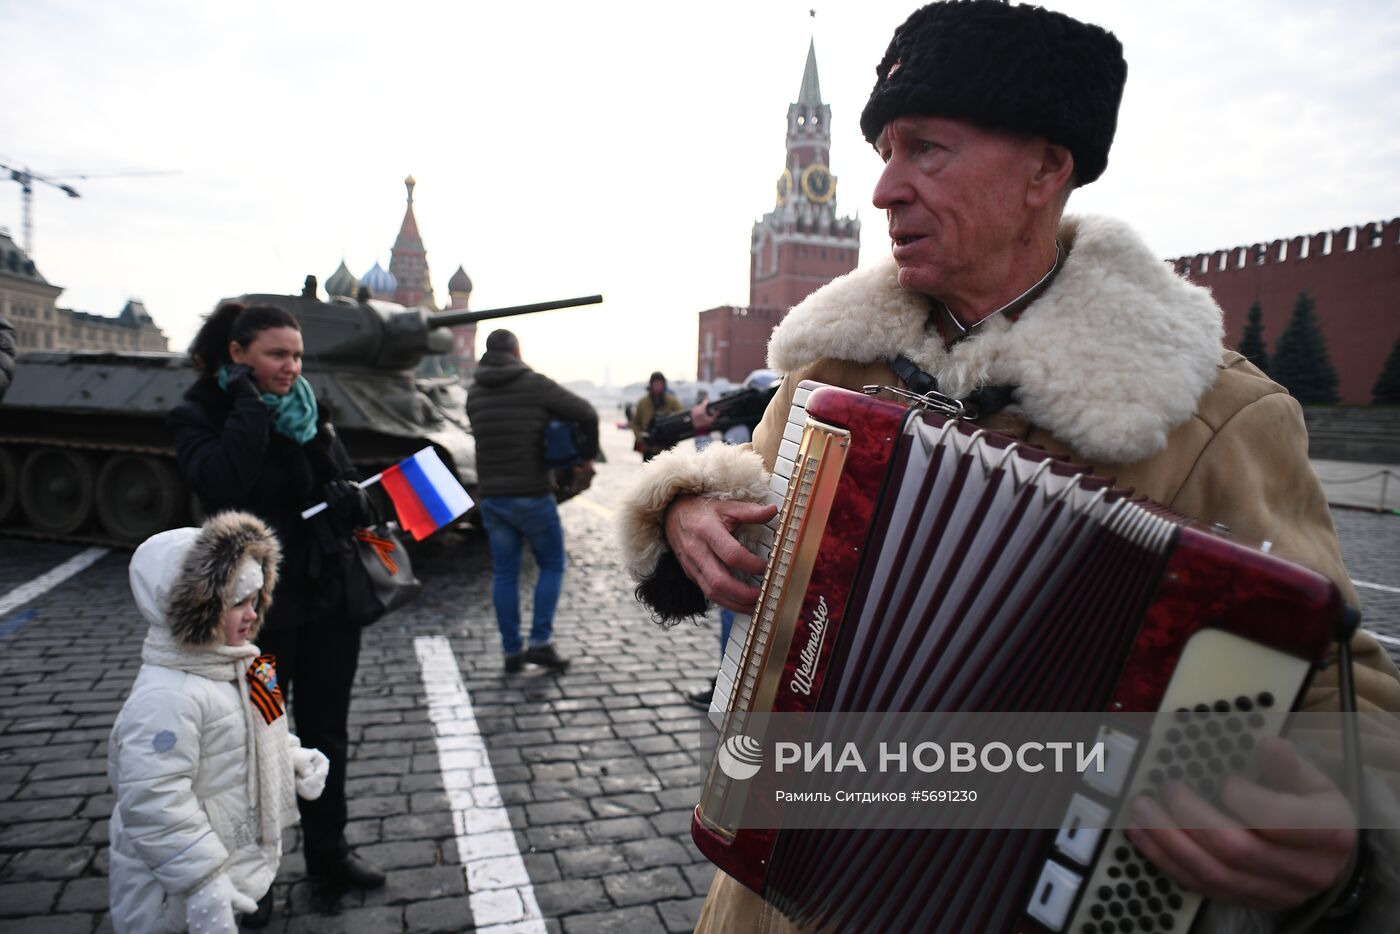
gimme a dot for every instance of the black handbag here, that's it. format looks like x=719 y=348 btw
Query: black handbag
x=379 y=578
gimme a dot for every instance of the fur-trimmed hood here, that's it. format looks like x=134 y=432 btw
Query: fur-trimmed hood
x=183 y=579
x=1113 y=356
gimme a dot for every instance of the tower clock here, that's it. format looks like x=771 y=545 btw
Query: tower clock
x=818 y=184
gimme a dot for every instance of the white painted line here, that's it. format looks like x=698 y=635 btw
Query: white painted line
x=1376 y=587
x=46 y=582
x=600 y=509
x=1386 y=640
x=502 y=897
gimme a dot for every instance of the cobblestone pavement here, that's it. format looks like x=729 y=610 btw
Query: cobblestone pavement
x=597 y=770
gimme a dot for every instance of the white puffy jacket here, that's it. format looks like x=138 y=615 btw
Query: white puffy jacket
x=187 y=808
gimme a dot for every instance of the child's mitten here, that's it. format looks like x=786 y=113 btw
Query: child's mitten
x=311 y=767
x=209 y=909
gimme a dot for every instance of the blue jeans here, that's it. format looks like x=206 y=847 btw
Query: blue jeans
x=726 y=623
x=512 y=521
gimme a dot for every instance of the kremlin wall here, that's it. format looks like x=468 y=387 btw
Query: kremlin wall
x=1353 y=275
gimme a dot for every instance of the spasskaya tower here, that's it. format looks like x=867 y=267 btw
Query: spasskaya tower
x=802 y=244
x=796 y=248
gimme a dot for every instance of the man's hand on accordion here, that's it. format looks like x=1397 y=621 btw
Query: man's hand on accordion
x=1219 y=854
x=700 y=531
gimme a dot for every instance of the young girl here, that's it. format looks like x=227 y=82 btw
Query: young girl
x=200 y=758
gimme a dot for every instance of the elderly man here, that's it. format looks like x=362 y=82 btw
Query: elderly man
x=1070 y=334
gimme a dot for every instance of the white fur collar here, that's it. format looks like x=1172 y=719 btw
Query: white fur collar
x=1115 y=354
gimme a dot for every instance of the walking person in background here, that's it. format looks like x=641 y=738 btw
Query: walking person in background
x=201 y=761
x=509 y=405
x=658 y=401
x=251 y=436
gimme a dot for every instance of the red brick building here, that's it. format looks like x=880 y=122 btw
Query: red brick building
x=796 y=248
x=1353 y=275
x=734 y=340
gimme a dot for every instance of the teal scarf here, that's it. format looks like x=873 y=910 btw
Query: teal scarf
x=294 y=414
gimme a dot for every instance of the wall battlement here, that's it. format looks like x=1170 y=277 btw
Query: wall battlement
x=1319 y=247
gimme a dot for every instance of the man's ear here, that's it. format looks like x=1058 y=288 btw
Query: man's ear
x=1051 y=174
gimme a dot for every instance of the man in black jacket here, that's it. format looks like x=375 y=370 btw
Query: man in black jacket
x=510 y=405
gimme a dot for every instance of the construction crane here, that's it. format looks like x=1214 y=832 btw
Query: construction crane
x=26 y=180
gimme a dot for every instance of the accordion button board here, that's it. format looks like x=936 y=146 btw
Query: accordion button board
x=1213 y=724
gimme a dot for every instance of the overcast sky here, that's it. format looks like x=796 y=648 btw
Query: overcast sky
x=623 y=148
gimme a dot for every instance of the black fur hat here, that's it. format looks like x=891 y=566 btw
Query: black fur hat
x=1021 y=69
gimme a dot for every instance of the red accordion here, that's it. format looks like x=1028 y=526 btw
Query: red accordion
x=949 y=568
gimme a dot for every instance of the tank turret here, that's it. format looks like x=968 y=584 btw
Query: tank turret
x=85 y=456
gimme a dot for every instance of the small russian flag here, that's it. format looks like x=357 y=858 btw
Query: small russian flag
x=425 y=493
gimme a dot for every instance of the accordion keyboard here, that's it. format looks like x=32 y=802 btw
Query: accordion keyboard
x=777 y=488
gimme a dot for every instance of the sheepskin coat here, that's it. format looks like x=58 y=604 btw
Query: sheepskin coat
x=1118 y=364
x=179 y=753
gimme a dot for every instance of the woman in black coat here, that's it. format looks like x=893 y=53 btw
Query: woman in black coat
x=251 y=436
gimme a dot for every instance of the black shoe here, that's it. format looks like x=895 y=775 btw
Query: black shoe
x=360 y=874
x=701 y=700
x=515 y=662
x=350 y=873
x=545 y=656
x=261 y=917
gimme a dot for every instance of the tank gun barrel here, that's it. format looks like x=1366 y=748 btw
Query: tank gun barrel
x=448 y=318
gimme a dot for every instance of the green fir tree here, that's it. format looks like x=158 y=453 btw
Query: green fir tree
x=1252 y=344
x=1300 y=361
x=1387 y=389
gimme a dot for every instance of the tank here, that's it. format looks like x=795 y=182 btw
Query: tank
x=85 y=455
